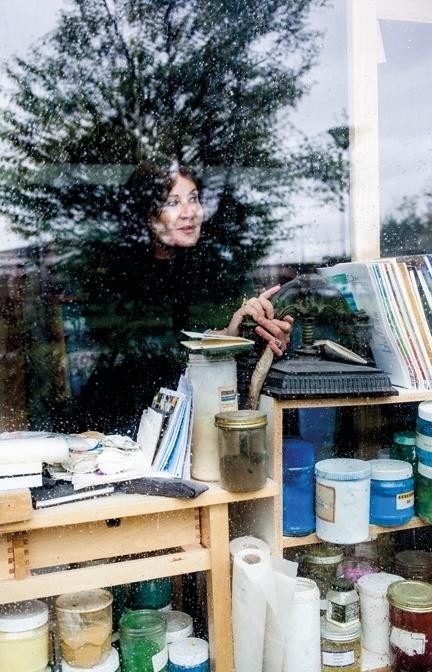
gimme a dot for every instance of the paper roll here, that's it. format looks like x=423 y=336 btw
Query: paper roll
x=284 y=574
x=244 y=543
x=253 y=588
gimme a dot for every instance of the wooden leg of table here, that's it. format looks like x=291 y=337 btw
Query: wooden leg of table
x=215 y=536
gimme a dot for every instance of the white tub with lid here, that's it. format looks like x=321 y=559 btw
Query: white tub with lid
x=179 y=626
x=374 y=610
x=24 y=636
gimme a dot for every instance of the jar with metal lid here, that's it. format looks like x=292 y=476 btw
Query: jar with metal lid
x=24 y=636
x=423 y=492
x=343 y=604
x=404 y=447
x=242 y=449
x=143 y=641
x=392 y=492
x=340 y=647
x=110 y=664
x=320 y=564
x=410 y=626
x=414 y=565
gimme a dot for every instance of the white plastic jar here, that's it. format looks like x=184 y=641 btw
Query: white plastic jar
x=214 y=382
x=302 y=643
x=374 y=610
x=110 y=664
x=24 y=637
x=342 y=500
x=179 y=626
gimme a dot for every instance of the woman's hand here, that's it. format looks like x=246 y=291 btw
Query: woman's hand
x=276 y=332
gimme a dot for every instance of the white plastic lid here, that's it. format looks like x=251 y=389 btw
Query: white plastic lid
x=306 y=590
x=424 y=469
x=191 y=651
x=343 y=469
x=23 y=616
x=376 y=585
x=390 y=470
x=110 y=664
x=425 y=410
x=179 y=626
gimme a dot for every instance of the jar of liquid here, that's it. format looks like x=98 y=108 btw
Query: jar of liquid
x=242 y=449
x=342 y=500
x=414 y=565
x=375 y=611
x=85 y=627
x=423 y=492
x=189 y=655
x=143 y=641
x=343 y=604
x=320 y=564
x=110 y=664
x=410 y=626
x=179 y=626
x=424 y=433
x=152 y=594
x=404 y=447
x=392 y=492
x=24 y=637
x=340 y=647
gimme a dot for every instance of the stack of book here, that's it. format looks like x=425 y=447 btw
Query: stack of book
x=16 y=475
x=396 y=293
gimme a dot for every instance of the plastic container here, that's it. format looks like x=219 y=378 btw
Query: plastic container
x=110 y=664
x=24 y=636
x=424 y=433
x=179 y=626
x=410 y=626
x=214 y=382
x=242 y=450
x=375 y=611
x=414 y=565
x=302 y=643
x=143 y=641
x=189 y=655
x=343 y=604
x=423 y=492
x=392 y=492
x=298 y=500
x=404 y=447
x=342 y=494
x=340 y=647
x=85 y=627
x=297 y=452
x=317 y=425
x=152 y=594
x=355 y=568
x=320 y=565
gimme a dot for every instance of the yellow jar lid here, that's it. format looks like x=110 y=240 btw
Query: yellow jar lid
x=411 y=595
x=241 y=419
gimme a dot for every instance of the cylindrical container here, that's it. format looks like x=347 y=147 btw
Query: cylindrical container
x=342 y=494
x=410 y=626
x=179 y=626
x=355 y=568
x=110 y=664
x=423 y=492
x=85 y=626
x=214 y=382
x=152 y=594
x=24 y=636
x=414 y=565
x=392 y=492
x=340 y=647
x=404 y=447
x=343 y=604
x=298 y=500
x=297 y=452
x=320 y=564
x=370 y=661
x=189 y=655
x=302 y=642
x=424 y=433
x=143 y=641
x=318 y=426
x=242 y=449
x=375 y=611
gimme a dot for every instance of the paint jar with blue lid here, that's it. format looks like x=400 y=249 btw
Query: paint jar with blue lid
x=298 y=496
x=424 y=433
x=392 y=492
x=189 y=655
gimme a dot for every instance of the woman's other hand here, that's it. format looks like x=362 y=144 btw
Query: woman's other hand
x=276 y=332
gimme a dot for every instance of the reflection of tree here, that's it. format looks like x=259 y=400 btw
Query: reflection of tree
x=408 y=231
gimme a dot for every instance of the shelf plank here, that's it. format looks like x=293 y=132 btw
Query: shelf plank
x=404 y=397
x=291 y=542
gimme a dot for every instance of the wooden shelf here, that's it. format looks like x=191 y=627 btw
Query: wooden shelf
x=404 y=397
x=290 y=542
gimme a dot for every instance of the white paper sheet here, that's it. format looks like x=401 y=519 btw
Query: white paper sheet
x=284 y=573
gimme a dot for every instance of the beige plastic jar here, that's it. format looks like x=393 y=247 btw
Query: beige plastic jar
x=24 y=636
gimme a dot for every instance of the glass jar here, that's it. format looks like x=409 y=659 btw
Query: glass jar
x=340 y=647
x=403 y=447
x=242 y=449
x=85 y=626
x=24 y=636
x=152 y=594
x=343 y=604
x=410 y=626
x=320 y=564
x=423 y=492
x=143 y=641
x=414 y=565
x=110 y=664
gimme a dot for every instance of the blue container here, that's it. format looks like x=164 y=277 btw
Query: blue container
x=392 y=492
x=298 y=501
x=189 y=655
x=297 y=452
x=424 y=433
x=318 y=426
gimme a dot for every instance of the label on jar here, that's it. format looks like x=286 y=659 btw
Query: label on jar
x=405 y=500
x=228 y=398
x=411 y=643
x=338 y=658
x=325 y=501
x=160 y=660
x=344 y=613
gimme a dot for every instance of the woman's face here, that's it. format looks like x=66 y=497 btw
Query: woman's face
x=179 y=223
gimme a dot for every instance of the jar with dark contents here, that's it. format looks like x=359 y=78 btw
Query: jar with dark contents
x=242 y=449
x=414 y=565
x=410 y=626
x=320 y=564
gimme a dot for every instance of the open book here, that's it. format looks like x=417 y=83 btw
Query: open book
x=214 y=343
